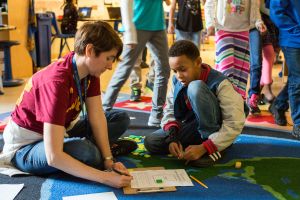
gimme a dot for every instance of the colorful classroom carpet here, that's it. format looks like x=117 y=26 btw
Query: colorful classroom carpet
x=270 y=170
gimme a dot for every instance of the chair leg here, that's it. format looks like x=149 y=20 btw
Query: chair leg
x=67 y=45
x=61 y=47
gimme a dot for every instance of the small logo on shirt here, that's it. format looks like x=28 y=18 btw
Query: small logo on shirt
x=235 y=6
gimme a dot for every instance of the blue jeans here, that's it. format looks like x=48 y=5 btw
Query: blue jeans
x=292 y=90
x=192 y=36
x=32 y=158
x=255 y=44
x=207 y=120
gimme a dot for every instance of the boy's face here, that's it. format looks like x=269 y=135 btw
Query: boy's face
x=185 y=69
x=98 y=65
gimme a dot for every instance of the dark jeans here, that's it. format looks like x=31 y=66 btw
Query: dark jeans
x=292 y=90
x=207 y=121
x=255 y=44
x=32 y=158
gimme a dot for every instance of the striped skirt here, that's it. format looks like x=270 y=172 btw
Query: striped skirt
x=232 y=58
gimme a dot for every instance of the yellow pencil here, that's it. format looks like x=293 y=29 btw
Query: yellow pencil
x=199 y=181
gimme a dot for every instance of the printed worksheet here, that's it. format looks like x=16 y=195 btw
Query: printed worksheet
x=160 y=178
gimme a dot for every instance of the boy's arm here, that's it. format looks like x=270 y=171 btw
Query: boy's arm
x=232 y=108
x=130 y=35
x=281 y=19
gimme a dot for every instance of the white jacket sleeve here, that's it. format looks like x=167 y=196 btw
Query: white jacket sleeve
x=210 y=13
x=130 y=35
x=233 y=116
x=255 y=17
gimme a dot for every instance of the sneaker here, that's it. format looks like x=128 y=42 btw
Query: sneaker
x=296 y=132
x=252 y=104
x=1 y=92
x=279 y=115
x=205 y=161
x=123 y=147
x=135 y=94
x=154 y=122
x=149 y=85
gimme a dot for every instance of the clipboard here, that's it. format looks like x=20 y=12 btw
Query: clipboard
x=129 y=190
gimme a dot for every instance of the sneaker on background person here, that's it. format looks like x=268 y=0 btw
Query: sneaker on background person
x=135 y=94
x=252 y=103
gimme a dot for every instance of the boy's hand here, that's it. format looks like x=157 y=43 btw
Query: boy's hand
x=194 y=152
x=176 y=150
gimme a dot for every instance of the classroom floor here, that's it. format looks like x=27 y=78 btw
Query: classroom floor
x=7 y=101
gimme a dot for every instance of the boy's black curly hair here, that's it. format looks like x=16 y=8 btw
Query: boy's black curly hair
x=184 y=47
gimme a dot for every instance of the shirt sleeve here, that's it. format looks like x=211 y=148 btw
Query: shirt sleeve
x=130 y=35
x=93 y=87
x=51 y=102
x=232 y=108
x=210 y=12
x=280 y=17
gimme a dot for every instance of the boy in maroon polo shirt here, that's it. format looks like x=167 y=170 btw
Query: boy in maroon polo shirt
x=35 y=136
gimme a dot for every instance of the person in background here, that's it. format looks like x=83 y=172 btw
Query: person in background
x=70 y=18
x=286 y=16
x=34 y=138
x=203 y=115
x=255 y=44
x=144 y=23
x=232 y=20
x=188 y=20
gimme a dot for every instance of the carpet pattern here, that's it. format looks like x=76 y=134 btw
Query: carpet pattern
x=270 y=170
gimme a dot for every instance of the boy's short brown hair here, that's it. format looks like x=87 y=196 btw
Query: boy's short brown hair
x=101 y=35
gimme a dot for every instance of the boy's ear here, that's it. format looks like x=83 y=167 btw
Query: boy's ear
x=199 y=60
x=89 y=50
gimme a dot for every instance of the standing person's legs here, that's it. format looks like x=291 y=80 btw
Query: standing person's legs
x=122 y=72
x=158 y=46
x=196 y=38
x=280 y=105
x=135 y=80
x=135 y=75
x=292 y=56
x=191 y=36
x=241 y=61
x=266 y=77
x=255 y=45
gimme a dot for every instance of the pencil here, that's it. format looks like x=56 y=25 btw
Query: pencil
x=199 y=181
